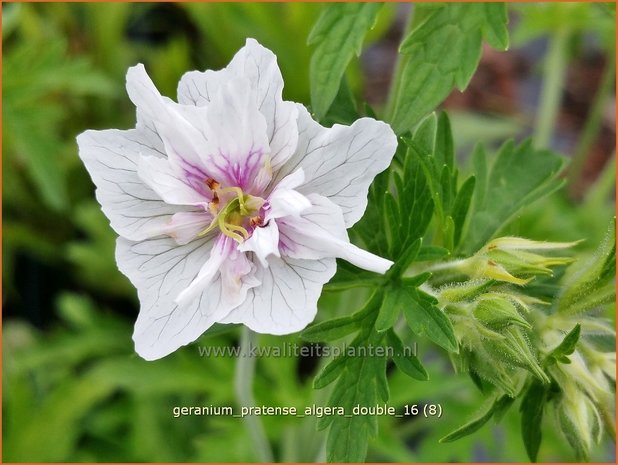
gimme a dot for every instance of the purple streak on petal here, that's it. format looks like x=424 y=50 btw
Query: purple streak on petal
x=196 y=178
x=244 y=173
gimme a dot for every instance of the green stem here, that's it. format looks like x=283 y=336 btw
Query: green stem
x=400 y=65
x=594 y=122
x=245 y=372
x=554 y=75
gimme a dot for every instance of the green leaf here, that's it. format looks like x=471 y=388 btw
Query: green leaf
x=431 y=253
x=442 y=51
x=432 y=145
x=348 y=436
x=361 y=380
x=498 y=407
x=425 y=318
x=494 y=31
x=531 y=408
x=389 y=310
x=414 y=208
x=375 y=238
x=408 y=364
x=343 y=109
x=405 y=259
x=329 y=373
x=461 y=206
x=519 y=176
x=566 y=347
x=331 y=330
x=338 y=34
x=444 y=147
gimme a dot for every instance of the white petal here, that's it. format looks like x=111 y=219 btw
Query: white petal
x=234 y=269
x=159 y=175
x=160 y=269
x=237 y=144
x=237 y=276
x=135 y=211
x=286 y=300
x=183 y=141
x=284 y=200
x=264 y=241
x=183 y=227
x=320 y=232
x=341 y=162
x=292 y=181
x=259 y=65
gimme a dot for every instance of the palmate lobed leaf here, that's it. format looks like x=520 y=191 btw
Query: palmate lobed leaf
x=518 y=176
x=433 y=149
x=425 y=318
x=360 y=381
x=442 y=51
x=338 y=34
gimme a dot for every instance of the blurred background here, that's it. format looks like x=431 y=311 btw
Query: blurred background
x=73 y=389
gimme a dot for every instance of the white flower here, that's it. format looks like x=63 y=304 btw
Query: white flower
x=232 y=204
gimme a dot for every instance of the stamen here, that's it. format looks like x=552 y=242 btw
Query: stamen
x=256 y=221
x=213 y=206
x=212 y=184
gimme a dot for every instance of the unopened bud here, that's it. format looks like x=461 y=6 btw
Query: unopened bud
x=494 y=310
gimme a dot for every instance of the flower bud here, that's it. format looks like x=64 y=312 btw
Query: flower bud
x=495 y=311
x=505 y=258
x=579 y=421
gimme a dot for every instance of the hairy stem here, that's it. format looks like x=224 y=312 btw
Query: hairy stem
x=554 y=74
x=245 y=372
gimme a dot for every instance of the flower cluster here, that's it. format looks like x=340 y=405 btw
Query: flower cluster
x=231 y=204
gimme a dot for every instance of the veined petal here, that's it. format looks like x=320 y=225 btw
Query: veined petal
x=320 y=232
x=159 y=175
x=238 y=150
x=135 y=211
x=160 y=269
x=264 y=241
x=341 y=162
x=231 y=266
x=286 y=301
x=182 y=140
x=259 y=66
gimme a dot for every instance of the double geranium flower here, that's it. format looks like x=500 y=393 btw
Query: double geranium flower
x=232 y=204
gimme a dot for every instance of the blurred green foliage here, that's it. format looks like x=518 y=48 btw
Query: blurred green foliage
x=74 y=390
